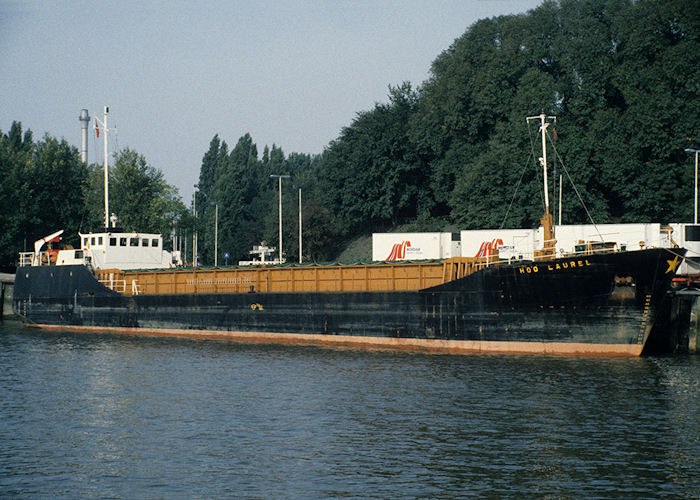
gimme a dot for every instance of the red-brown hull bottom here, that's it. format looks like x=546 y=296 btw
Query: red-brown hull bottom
x=399 y=344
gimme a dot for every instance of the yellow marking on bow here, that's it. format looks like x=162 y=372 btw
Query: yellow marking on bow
x=673 y=264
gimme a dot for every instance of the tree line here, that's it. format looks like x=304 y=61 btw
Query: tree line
x=46 y=187
x=454 y=152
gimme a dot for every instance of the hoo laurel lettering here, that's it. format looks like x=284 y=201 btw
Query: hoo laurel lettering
x=569 y=264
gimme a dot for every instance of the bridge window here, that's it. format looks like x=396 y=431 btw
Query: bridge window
x=113 y=242
x=92 y=240
x=99 y=240
x=144 y=242
x=133 y=242
x=692 y=233
x=85 y=241
x=122 y=242
x=78 y=254
x=154 y=242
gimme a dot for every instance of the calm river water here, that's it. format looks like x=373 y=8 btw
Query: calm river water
x=104 y=416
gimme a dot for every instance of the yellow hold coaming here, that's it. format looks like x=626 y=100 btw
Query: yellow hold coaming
x=395 y=276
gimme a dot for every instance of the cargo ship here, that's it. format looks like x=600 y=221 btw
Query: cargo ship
x=600 y=300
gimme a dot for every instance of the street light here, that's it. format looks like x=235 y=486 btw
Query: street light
x=216 y=233
x=279 y=188
x=299 y=188
x=194 y=236
x=689 y=150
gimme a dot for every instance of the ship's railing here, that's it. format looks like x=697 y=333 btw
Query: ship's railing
x=40 y=259
x=594 y=248
x=131 y=287
x=116 y=285
x=581 y=249
x=26 y=258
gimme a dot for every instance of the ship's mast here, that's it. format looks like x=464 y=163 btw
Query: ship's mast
x=544 y=123
x=549 y=242
x=103 y=123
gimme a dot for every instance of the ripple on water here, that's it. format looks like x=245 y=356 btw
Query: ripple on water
x=122 y=417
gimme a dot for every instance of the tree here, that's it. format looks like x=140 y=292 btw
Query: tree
x=15 y=157
x=139 y=195
x=55 y=204
x=239 y=192
x=371 y=175
x=40 y=193
x=618 y=74
x=212 y=165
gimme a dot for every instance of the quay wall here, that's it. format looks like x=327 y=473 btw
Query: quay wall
x=694 y=327
x=7 y=283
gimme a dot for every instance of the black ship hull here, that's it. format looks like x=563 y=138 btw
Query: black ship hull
x=594 y=304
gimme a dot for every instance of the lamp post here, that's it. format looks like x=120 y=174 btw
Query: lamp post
x=216 y=233
x=194 y=236
x=299 y=188
x=279 y=188
x=690 y=150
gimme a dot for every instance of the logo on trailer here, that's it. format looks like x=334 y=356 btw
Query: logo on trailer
x=398 y=251
x=487 y=247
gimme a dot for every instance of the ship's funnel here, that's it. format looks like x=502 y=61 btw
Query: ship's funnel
x=84 y=121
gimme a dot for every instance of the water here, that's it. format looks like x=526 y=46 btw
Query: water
x=104 y=416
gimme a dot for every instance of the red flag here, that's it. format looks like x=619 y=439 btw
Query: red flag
x=97 y=129
x=555 y=133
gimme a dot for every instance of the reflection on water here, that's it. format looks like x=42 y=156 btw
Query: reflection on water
x=122 y=417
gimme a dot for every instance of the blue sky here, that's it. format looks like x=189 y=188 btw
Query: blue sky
x=174 y=73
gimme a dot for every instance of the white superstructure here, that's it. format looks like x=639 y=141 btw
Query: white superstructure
x=261 y=255
x=104 y=250
x=109 y=249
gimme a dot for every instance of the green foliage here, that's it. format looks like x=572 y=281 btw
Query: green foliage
x=54 y=204
x=138 y=195
x=46 y=187
x=371 y=175
x=620 y=79
x=619 y=75
x=456 y=152
x=41 y=191
x=248 y=203
x=15 y=157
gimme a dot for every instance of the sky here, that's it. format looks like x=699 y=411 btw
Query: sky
x=175 y=73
